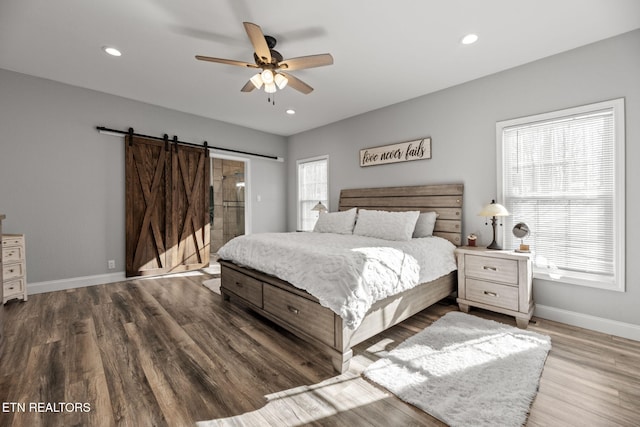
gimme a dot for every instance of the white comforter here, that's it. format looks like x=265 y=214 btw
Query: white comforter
x=347 y=273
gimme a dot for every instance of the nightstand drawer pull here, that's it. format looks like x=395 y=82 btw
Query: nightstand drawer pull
x=485 y=267
x=293 y=310
x=239 y=284
x=491 y=294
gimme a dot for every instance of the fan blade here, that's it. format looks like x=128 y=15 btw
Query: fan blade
x=226 y=61
x=248 y=87
x=303 y=62
x=298 y=84
x=256 y=36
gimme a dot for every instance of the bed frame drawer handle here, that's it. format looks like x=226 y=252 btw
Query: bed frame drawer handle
x=293 y=310
x=486 y=267
x=491 y=294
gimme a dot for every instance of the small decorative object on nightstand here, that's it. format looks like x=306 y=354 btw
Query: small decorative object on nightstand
x=14 y=275
x=521 y=231
x=499 y=281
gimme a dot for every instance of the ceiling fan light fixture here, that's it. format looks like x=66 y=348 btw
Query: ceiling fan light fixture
x=281 y=81
x=257 y=81
x=267 y=76
x=270 y=87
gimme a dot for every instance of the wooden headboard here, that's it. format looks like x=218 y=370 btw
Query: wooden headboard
x=445 y=199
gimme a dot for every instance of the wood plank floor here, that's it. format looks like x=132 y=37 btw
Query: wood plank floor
x=169 y=352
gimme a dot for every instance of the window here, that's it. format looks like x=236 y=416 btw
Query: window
x=312 y=188
x=562 y=173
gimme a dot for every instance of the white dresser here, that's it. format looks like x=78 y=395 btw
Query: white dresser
x=14 y=267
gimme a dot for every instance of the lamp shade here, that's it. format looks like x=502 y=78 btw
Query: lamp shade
x=320 y=207
x=281 y=81
x=267 y=76
x=494 y=209
x=257 y=81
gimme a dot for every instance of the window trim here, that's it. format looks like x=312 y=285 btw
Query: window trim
x=298 y=163
x=619 y=194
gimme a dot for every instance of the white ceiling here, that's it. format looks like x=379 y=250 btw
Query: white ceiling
x=384 y=52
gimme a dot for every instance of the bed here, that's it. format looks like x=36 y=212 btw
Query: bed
x=302 y=313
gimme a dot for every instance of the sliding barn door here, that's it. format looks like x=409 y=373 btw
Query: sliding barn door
x=167 y=228
x=189 y=219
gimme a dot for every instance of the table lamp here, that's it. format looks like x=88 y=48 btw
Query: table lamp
x=494 y=210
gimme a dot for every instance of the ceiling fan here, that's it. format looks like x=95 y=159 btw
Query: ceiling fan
x=272 y=64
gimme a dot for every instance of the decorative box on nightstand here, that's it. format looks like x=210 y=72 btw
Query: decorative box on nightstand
x=499 y=281
x=14 y=275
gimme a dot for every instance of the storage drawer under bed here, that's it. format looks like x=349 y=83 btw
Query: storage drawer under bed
x=246 y=287
x=301 y=313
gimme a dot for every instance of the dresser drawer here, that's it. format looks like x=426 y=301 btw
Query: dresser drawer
x=12 y=253
x=10 y=271
x=305 y=315
x=246 y=287
x=13 y=287
x=12 y=240
x=494 y=269
x=494 y=294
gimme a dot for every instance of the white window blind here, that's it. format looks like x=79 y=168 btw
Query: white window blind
x=561 y=175
x=312 y=188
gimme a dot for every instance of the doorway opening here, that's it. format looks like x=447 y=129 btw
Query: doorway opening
x=227 y=200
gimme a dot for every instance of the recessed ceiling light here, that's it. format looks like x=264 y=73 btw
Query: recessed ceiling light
x=469 y=39
x=112 y=51
x=291 y=111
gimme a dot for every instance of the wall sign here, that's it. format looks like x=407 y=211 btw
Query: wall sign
x=401 y=152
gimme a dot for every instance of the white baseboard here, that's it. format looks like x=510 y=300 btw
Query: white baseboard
x=74 y=282
x=600 y=324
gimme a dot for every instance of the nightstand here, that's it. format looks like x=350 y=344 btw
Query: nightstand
x=496 y=280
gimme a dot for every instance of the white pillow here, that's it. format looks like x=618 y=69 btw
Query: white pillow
x=425 y=224
x=386 y=225
x=336 y=222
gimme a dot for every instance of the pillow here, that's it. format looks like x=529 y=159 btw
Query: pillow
x=336 y=222
x=386 y=225
x=425 y=224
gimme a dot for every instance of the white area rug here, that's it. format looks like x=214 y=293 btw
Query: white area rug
x=466 y=371
x=213 y=285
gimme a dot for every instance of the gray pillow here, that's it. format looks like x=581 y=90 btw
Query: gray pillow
x=425 y=224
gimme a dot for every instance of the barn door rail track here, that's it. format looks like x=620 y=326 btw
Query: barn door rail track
x=116 y=132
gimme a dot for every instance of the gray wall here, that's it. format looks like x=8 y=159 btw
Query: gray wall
x=461 y=121
x=62 y=183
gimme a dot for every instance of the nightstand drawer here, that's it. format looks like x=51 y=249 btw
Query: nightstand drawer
x=492 y=293
x=494 y=269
